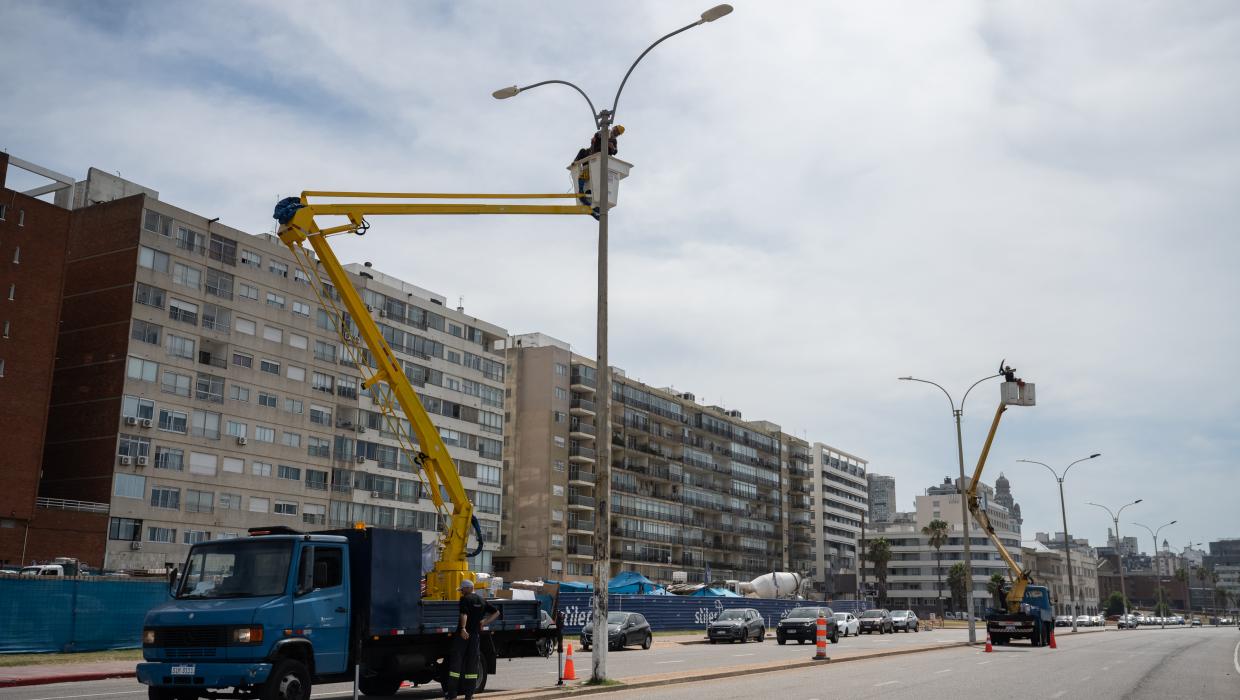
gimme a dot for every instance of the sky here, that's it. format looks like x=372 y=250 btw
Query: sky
x=825 y=196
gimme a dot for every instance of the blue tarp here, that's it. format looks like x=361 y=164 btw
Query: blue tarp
x=714 y=593
x=41 y=614
x=572 y=586
x=631 y=583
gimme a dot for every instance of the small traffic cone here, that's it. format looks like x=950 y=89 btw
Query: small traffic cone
x=1053 y=644
x=570 y=674
x=988 y=647
x=820 y=652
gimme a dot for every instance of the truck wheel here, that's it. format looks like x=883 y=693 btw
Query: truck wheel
x=289 y=680
x=379 y=686
x=781 y=641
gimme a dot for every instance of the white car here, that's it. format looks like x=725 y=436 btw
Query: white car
x=1084 y=621
x=848 y=623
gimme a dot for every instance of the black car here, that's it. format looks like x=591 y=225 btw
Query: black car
x=801 y=624
x=623 y=629
x=737 y=624
x=877 y=620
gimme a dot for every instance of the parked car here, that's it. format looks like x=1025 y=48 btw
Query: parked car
x=1063 y=620
x=623 y=629
x=1084 y=621
x=1128 y=622
x=1196 y=622
x=43 y=570
x=904 y=620
x=848 y=624
x=801 y=624
x=1099 y=621
x=737 y=624
x=877 y=620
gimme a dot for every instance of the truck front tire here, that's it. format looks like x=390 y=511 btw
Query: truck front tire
x=289 y=680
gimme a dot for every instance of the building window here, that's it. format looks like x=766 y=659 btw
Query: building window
x=561 y=393
x=285 y=508
x=180 y=347
x=166 y=535
x=186 y=276
x=222 y=249
x=130 y=486
x=171 y=458
x=286 y=472
x=320 y=415
x=202 y=463
x=143 y=331
x=177 y=384
x=134 y=407
x=291 y=439
x=558 y=465
x=276 y=300
x=216 y=318
x=195 y=536
x=267 y=400
x=149 y=296
x=299 y=342
x=236 y=392
x=293 y=406
x=297 y=374
x=275 y=335
x=301 y=308
x=235 y=428
x=234 y=465
x=488 y=475
x=322 y=382
x=261 y=469
x=230 y=501
x=166 y=497
x=156 y=223
x=324 y=351
x=259 y=505
x=173 y=421
x=247 y=291
x=245 y=326
x=269 y=366
x=199 y=501
x=142 y=370
x=264 y=434
x=188 y=240
x=316 y=479
x=183 y=311
x=559 y=441
x=13 y=292
x=249 y=257
x=152 y=259
x=125 y=529
x=207 y=425
x=278 y=268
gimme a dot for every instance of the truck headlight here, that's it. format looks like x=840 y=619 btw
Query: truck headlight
x=247 y=635
x=148 y=637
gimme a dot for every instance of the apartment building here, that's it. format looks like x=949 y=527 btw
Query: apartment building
x=840 y=502
x=201 y=388
x=913 y=571
x=882 y=494
x=693 y=487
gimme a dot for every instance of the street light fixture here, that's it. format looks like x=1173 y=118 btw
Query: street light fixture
x=1154 y=564
x=964 y=508
x=1123 y=589
x=1067 y=540
x=603 y=120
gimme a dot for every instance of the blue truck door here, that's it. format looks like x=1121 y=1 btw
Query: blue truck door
x=321 y=606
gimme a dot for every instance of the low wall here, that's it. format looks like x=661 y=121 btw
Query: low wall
x=45 y=614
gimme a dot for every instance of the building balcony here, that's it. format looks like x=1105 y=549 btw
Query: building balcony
x=581 y=525
x=581 y=407
x=579 y=382
x=578 y=501
x=581 y=430
x=577 y=453
x=581 y=550
x=578 y=477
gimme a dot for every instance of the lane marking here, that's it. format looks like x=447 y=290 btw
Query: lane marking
x=91 y=695
x=677 y=661
x=946 y=670
x=1235 y=657
x=744 y=655
x=1106 y=668
x=879 y=685
x=1086 y=678
x=1060 y=694
x=983 y=663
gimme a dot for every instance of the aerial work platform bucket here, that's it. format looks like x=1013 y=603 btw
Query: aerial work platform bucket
x=585 y=172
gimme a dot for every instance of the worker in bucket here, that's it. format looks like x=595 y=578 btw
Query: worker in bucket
x=476 y=613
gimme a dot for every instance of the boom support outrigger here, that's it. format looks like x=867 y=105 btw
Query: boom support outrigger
x=377 y=362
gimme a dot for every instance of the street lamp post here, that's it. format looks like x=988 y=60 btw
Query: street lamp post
x=1154 y=562
x=964 y=507
x=603 y=120
x=1067 y=539
x=1123 y=589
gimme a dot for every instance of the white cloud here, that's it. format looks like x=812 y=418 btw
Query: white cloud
x=826 y=196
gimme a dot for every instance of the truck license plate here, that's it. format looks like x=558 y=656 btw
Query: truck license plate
x=183 y=670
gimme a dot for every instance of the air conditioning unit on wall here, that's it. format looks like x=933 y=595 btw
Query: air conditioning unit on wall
x=146 y=423
x=135 y=545
x=131 y=420
x=242 y=441
x=125 y=461
x=142 y=461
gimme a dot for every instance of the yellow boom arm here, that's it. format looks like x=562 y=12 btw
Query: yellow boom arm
x=1013 y=391
x=298 y=228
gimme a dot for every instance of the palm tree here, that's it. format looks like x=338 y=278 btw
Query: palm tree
x=995 y=586
x=1182 y=576
x=1202 y=575
x=957 y=582
x=880 y=554
x=936 y=531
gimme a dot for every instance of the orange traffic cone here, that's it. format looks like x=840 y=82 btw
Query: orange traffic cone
x=1053 y=644
x=988 y=647
x=820 y=642
x=570 y=674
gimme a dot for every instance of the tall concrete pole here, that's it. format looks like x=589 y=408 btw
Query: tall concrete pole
x=964 y=520
x=602 y=482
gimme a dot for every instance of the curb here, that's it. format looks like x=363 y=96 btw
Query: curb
x=64 y=678
x=637 y=683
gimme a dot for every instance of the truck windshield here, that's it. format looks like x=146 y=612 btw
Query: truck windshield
x=236 y=569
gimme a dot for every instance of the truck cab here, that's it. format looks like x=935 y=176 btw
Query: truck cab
x=1035 y=620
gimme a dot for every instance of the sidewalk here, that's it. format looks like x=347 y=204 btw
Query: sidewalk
x=65 y=673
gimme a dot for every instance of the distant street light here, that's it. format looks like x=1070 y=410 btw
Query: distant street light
x=964 y=508
x=1123 y=589
x=1067 y=540
x=1154 y=563
x=602 y=120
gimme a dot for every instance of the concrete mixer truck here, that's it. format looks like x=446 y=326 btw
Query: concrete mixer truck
x=777 y=584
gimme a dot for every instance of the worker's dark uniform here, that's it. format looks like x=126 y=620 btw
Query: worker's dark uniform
x=463 y=664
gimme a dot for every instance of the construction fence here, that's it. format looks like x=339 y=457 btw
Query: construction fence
x=48 y=614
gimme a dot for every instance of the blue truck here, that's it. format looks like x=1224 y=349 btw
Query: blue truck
x=268 y=615
x=1032 y=619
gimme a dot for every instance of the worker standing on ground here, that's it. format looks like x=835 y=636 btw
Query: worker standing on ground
x=476 y=613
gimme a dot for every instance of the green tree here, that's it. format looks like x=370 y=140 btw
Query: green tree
x=1202 y=577
x=880 y=554
x=936 y=531
x=1181 y=575
x=1115 y=603
x=1221 y=597
x=995 y=586
x=957 y=583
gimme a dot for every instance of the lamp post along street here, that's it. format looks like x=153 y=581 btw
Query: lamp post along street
x=1157 y=572
x=1119 y=555
x=958 y=413
x=1067 y=539
x=599 y=196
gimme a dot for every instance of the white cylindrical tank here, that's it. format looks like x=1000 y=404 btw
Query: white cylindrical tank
x=777 y=584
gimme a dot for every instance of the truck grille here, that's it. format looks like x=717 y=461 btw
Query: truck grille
x=190 y=653
x=214 y=636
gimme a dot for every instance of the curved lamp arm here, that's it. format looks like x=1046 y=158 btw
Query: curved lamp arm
x=710 y=15
x=1052 y=471
x=1108 y=510
x=1083 y=459
x=505 y=93
x=950 y=400
x=966 y=394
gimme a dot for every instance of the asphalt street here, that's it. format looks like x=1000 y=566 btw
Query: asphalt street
x=521 y=674
x=1144 y=664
